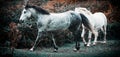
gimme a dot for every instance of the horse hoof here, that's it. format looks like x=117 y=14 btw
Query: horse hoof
x=94 y=44
x=88 y=45
x=78 y=48
x=55 y=50
x=104 y=42
x=75 y=50
x=31 y=49
x=85 y=44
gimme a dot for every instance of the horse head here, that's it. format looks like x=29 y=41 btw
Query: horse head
x=34 y=11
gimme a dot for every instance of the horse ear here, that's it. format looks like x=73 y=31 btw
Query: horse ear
x=26 y=2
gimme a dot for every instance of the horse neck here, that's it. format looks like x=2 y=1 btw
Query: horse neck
x=35 y=17
x=42 y=16
x=34 y=14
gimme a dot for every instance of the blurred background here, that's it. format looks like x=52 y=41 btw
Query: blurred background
x=24 y=37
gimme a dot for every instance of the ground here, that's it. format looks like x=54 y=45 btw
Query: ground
x=110 y=49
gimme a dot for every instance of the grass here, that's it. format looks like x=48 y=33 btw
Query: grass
x=110 y=49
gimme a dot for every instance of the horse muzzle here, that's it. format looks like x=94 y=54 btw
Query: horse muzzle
x=21 y=21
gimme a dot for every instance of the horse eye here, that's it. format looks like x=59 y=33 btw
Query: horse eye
x=24 y=11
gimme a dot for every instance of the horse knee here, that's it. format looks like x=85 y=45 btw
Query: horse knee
x=82 y=35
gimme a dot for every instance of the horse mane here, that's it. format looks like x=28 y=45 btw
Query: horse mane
x=87 y=11
x=38 y=9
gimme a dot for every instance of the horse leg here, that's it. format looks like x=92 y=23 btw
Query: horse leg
x=89 y=38
x=95 y=40
x=55 y=46
x=36 y=41
x=82 y=35
x=104 y=32
x=76 y=36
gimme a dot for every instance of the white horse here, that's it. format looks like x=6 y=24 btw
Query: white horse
x=97 y=20
x=54 y=21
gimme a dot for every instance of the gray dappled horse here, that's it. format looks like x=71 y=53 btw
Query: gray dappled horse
x=54 y=21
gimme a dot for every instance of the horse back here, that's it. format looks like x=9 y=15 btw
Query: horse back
x=99 y=19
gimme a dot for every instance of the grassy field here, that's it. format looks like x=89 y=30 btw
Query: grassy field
x=110 y=49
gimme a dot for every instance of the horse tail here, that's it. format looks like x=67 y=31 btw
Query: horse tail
x=105 y=19
x=86 y=22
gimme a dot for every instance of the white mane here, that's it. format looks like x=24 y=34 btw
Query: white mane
x=86 y=12
x=83 y=10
